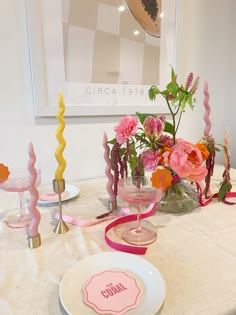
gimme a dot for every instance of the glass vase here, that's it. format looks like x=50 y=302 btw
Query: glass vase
x=181 y=197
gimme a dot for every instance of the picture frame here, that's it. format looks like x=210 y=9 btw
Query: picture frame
x=46 y=24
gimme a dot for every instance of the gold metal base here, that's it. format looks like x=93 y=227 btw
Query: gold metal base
x=58 y=186
x=61 y=227
x=35 y=241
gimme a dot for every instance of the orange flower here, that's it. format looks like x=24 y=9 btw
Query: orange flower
x=166 y=149
x=161 y=178
x=4 y=172
x=203 y=149
x=162 y=160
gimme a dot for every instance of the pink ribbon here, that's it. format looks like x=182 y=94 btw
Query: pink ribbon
x=133 y=217
x=205 y=202
x=123 y=216
x=86 y=223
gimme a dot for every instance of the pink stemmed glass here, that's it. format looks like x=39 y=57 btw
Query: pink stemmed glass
x=18 y=181
x=138 y=191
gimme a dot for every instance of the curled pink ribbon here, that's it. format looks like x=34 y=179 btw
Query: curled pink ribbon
x=205 y=202
x=139 y=250
x=123 y=216
x=86 y=223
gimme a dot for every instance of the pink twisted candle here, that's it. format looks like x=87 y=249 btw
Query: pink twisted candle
x=207 y=110
x=108 y=169
x=36 y=216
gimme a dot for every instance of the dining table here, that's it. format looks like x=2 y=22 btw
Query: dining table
x=195 y=253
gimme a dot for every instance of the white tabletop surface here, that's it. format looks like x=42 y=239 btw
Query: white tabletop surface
x=195 y=253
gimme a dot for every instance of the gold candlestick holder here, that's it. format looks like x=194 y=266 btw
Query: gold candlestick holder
x=59 y=187
x=34 y=241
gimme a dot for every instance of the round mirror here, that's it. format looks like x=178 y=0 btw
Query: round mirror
x=147 y=13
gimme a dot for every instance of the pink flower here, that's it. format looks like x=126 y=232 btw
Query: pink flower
x=195 y=86
x=186 y=161
x=189 y=81
x=162 y=118
x=166 y=140
x=153 y=127
x=150 y=159
x=126 y=128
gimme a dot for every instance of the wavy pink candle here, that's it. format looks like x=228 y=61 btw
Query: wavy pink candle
x=207 y=110
x=36 y=216
x=108 y=169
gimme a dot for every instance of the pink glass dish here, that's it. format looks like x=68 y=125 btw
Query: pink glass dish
x=18 y=181
x=138 y=191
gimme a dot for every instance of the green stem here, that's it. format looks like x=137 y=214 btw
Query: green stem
x=179 y=121
x=173 y=118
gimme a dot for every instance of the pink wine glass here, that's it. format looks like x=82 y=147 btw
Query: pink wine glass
x=138 y=191
x=18 y=181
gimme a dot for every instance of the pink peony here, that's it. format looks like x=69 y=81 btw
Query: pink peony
x=186 y=161
x=153 y=127
x=150 y=159
x=126 y=128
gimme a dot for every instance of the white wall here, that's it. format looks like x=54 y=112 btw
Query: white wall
x=205 y=46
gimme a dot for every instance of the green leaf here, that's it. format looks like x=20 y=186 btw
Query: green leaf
x=132 y=149
x=142 y=116
x=169 y=128
x=173 y=87
x=190 y=101
x=133 y=160
x=217 y=149
x=112 y=141
x=165 y=93
x=172 y=74
x=224 y=188
x=153 y=91
x=122 y=151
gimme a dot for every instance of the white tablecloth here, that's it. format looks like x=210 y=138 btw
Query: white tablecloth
x=195 y=253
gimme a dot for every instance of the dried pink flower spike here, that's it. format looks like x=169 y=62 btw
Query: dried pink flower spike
x=210 y=162
x=115 y=154
x=126 y=157
x=189 y=81
x=195 y=86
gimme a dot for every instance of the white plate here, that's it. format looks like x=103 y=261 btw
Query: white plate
x=72 y=192
x=71 y=293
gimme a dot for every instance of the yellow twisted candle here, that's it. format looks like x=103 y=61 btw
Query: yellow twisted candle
x=61 y=141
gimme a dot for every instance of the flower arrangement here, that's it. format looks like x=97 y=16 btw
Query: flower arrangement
x=148 y=142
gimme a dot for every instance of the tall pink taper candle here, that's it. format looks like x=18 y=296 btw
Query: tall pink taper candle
x=207 y=110
x=36 y=216
x=108 y=169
